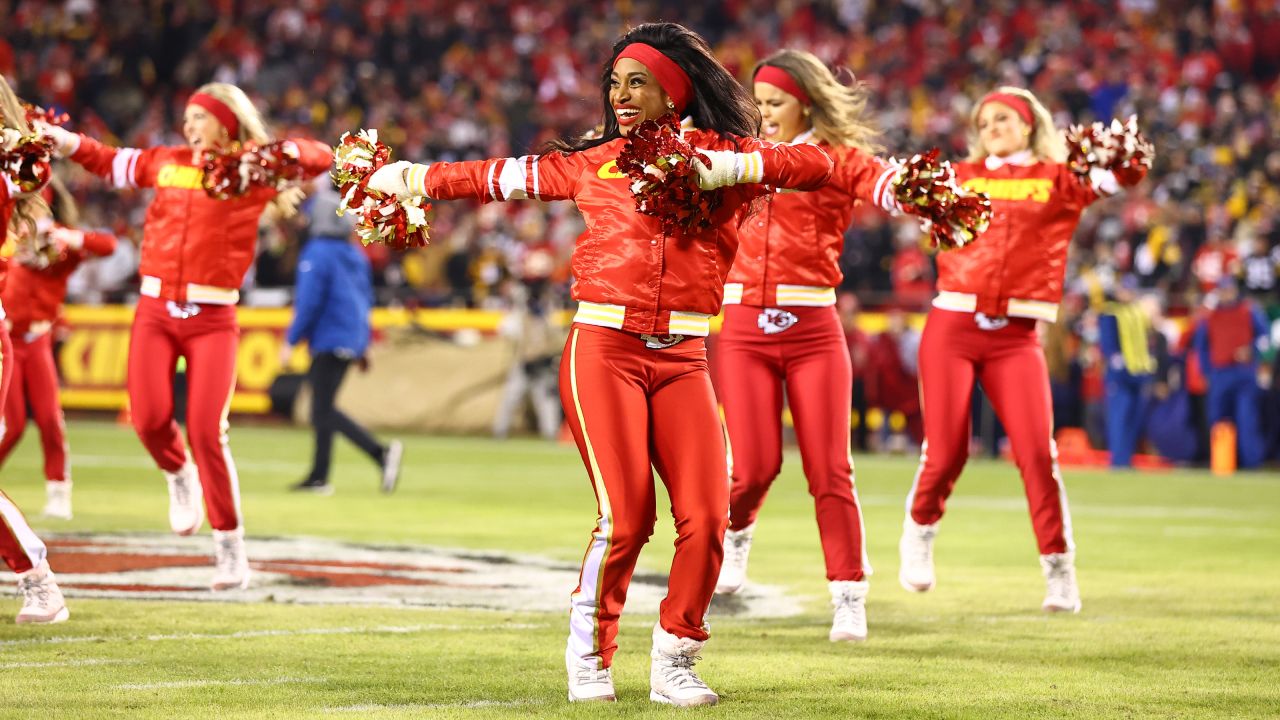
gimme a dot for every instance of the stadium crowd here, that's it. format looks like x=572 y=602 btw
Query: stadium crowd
x=467 y=79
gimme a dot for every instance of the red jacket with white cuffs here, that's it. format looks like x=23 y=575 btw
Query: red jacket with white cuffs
x=194 y=248
x=34 y=296
x=1016 y=268
x=790 y=248
x=628 y=275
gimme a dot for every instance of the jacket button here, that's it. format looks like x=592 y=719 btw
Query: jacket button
x=653 y=242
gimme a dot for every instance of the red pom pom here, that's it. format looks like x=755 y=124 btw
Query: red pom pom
x=25 y=159
x=50 y=116
x=232 y=174
x=664 y=183
x=1118 y=147
x=399 y=223
x=927 y=187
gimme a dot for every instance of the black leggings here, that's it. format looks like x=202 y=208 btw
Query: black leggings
x=325 y=376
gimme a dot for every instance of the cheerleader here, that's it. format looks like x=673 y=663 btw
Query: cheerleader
x=633 y=376
x=781 y=331
x=983 y=328
x=22 y=550
x=195 y=253
x=34 y=294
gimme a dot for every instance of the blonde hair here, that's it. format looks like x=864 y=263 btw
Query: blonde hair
x=252 y=129
x=1046 y=143
x=837 y=111
x=26 y=207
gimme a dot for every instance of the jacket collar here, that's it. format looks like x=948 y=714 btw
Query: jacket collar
x=803 y=137
x=1020 y=158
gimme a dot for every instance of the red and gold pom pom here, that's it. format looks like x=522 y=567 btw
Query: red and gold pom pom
x=232 y=174
x=664 y=183
x=1118 y=147
x=50 y=116
x=400 y=223
x=25 y=158
x=927 y=187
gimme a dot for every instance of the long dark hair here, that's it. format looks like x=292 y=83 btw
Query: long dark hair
x=719 y=101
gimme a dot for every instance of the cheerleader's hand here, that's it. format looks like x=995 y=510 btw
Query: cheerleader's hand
x=390 y=179
x=723 y=168
x=65 y=142
x=66 y=238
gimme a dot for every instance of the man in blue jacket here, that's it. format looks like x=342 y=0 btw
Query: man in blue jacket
x=332 y=300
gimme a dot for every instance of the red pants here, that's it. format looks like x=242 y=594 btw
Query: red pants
x=811 y=360
x=632 y=410
x=208 y=339
x=1009 y=363
x=19 y=546
x=35 y=383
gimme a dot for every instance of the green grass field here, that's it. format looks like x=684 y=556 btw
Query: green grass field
x=1180 y=574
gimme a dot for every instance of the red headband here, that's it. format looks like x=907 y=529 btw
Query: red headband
x=781 y=79
x=1014 y=102
x=219 y=110
x=673 y=80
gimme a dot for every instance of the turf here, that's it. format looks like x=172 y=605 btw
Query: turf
x=1180 y=573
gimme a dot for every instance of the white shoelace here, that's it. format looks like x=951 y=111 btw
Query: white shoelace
x=589 y=676
x=849 y=611
x=923 y=546
x=180 y=490
x=1059 y=580
x=677 y=672
x=228 y=556
x=34 y=591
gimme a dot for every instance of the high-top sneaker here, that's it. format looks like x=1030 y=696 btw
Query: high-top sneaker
x=1060 y=576
x=391 y=466
x=916 y=552
x=733 y=573
x=186 y=510
x=231 y=564
x=587 y=681
x=671 y=677
x=41 y=599
x=57 y=499
x=849 y=598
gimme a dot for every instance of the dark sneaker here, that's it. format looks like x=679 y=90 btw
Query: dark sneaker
x=391 y=465
x=319 y=487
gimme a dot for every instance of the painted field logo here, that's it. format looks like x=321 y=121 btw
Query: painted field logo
x=311 y=570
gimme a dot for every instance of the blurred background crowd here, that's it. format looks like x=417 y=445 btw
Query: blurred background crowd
x=468 y=79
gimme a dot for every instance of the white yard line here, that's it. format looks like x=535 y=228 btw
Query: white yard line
x=242 y=634
x=65 y=663
x=373 y=707
x=180 y=684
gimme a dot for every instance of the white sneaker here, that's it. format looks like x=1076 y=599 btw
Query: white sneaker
x=230 y=561
x=391 y=466
x=41 y=599
x=671 y=677
x=849 y=598
x=1060 y=576
x=915 y=550
x=587 y=682
x=733 y=572
x=186 y=505
x=58 y=499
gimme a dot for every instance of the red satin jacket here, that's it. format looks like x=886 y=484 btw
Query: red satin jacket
x=627 y=273
x=8 y=201
x=34 y=296
x=194 y=248
x=790 y=248
x=1017 y=267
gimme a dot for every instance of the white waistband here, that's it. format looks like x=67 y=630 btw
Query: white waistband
x=793 y=295
x=196 y=293
x=1018 y=307
x=613 y=316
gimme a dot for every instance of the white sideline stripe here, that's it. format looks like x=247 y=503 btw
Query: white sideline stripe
x=242 y=634
x=178 y=684
x=66 y=663
x=371 y=707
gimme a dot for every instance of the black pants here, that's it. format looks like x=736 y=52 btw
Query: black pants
x=325 y=376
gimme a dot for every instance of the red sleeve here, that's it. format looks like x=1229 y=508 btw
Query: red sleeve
x=100 y=244
x=123 y=167
x=865 y=177
x=314 y=156
x=795 y=167
x=553 y=176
